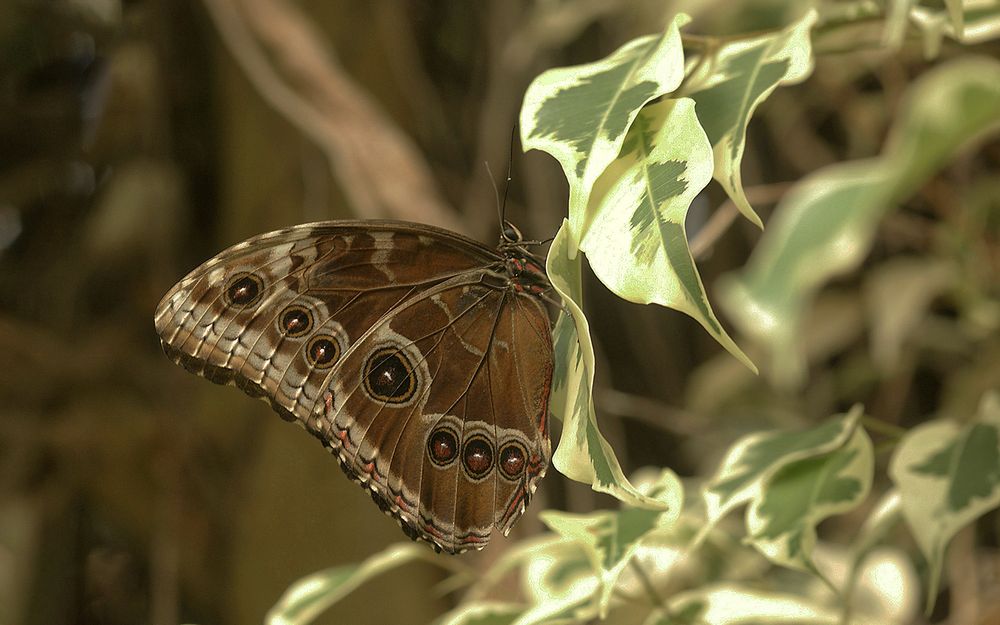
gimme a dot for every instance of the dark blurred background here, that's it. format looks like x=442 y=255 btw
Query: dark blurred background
x=140 y=137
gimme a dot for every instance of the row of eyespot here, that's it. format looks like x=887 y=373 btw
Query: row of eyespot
x=388 y=375
x=477 y=454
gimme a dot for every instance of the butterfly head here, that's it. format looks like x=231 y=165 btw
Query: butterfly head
x=510 y=234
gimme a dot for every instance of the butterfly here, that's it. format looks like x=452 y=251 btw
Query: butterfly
x=419 y=357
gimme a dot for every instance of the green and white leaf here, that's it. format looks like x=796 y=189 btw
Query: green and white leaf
x=583 y=453
x=825 y=225
x=561 y=611
x=730 y=604
x=730 y=84
x=782 y=521
x=611 y=539
x=980 y=21
x=542 y=548
x=483 y=613
x=310 y=596
x=756 y=457
x=562 y=574
x=580 y=114
x=880 y=580
x=635 y=241
x=948 y=475
x=969 y=22
x=560 y=587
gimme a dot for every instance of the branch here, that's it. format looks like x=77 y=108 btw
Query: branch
x=724 y=216
x=378 y=167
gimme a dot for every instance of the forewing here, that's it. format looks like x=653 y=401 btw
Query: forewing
x=329 y=281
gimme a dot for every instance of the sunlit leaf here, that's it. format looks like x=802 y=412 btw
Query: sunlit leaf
x=980 y=22
x=583 y=453
x=755 y=458
x=580 y=114
x=729 y=604
x=733 y=80
x=610 y=539
x=948 y=476
x=969 y=22
x=886 y=589
x=483 y=613
x=798 y=496
x=544 y=547
x=310 y=596
x=825 y=225
x=881 y=581
x=635 y=241
x=561 y=587
x=561 y=574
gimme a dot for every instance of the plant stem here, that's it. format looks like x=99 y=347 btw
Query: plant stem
x=883 y=427
x=647 y=585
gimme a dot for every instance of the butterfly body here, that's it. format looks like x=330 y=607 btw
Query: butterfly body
x=421 y=358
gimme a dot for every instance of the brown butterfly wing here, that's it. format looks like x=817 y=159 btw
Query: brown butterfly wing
x=299 y=316
x=342 y=275
x=441 y=409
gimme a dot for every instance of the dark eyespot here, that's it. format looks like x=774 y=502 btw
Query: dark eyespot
x=296 y=321
x=512 y=461
x=477 y=456
x=389 y=376
x=442 y=445
x=244 y=289
x=323 y=350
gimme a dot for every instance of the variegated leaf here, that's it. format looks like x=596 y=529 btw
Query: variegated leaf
x=583 y=453
x=636 y=242
x=610 y=539
x=730 y=604
x=782 y=521
x=730 y=84
x=483 y=613
x=580 y=114
x=825 y=225
x=312 y=595
x=755 y=458
x=948 y=476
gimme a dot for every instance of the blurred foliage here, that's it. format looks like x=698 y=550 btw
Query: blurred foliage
x=139 y=138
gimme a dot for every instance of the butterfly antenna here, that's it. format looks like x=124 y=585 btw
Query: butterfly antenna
x=496 y=192
x=510 y=162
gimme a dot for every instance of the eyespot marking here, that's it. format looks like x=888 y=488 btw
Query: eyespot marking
x=295 y=321
x=442 y=446
x=477 y=457
x=388 y=376
x=243 y=290
x=512 y=461
x=322 y=351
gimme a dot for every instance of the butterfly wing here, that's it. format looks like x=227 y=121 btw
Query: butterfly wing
x=272 y=314
x=441 y=410
x=335 y=323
